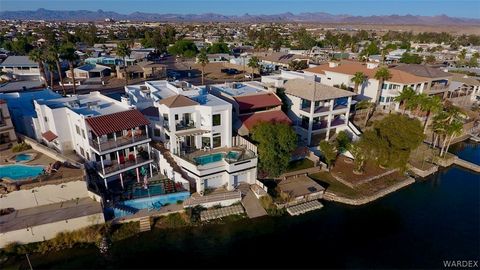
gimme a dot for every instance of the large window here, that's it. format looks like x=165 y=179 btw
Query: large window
x=77 y=128
x=217 y=140
x=216 y=120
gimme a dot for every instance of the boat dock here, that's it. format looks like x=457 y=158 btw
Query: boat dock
x=304 y=208
x=466 y=164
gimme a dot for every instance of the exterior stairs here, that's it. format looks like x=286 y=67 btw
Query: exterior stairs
x=145 y=224
x=171 y=161
x=126 y=208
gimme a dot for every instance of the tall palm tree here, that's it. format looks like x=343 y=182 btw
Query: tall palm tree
x=123 y=50
x=358 y=79
x=52 y=54
x=367 y=105
x=254 y=64
x=381 y=75
x=37 y=55
x=67 y=52
x=202 y=58
x=405 y=97
x=454 y=130
x=430 y=104
x=51 y=67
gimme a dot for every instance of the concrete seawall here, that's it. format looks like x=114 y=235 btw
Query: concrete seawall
x=328 y=196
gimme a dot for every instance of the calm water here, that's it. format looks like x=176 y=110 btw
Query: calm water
x=417 y=227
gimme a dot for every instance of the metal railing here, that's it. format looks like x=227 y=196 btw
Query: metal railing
x=114 y=165
x=110 y=144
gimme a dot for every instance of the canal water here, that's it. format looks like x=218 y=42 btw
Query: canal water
x=419 y=226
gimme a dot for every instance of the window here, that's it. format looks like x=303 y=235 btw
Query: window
x=82 y=152
x=176 y=116
x=45 y=118
x=217 y=140
x=156 y=132
x=384 y=86
x=77 y=128
x=165 y=117
x=216 y=120
x=83 y=134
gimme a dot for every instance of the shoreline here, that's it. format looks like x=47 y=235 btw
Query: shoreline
x=328 y=196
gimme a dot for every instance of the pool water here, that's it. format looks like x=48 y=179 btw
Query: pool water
x=152 y=190
x=202 y=160
x=20 y=172
x=233 y=155
x=151 y=203
x=23 y=157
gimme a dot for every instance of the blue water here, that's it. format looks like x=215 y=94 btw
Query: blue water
x=202 y=160
x=20 y=172
x=469 y=151
x=23 y=157
x=233 y=155
x=152 y=191
x=152 y=203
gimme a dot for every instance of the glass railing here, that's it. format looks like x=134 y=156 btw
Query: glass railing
x=121 y=141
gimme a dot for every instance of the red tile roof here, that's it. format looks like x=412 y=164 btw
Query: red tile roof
x=257 y=101
x=49 y=136
x=105 y=124
x=249 y=121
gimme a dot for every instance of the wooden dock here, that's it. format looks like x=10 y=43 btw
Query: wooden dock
x=304 y=208
x=467 y=164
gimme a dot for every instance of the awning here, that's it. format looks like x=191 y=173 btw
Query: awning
x=191 y=132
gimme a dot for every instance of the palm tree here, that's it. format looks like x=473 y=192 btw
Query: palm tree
x=367 y=105
x=123 y=50
x=462 y=55
x=254 y=64
x=405 y=97
x=358 y=79
x=202 y=58
x=430 y=104
x=381 y=75
x=36 y=55
x=67 y=52
x=50 y=66
x=52 y=54
x=454 y=130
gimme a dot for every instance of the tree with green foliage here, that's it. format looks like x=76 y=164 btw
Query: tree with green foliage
x=329 y=153
x=37 y=56
x=52 y=55
x=298 y=65
x=184 y=48
x=430 y=59
x=254 y=64
x=371 y=49
x=358 y=157
x=358 y=79
x=21 y=46
x=342 y=141
x=67 y=52
x=473 y=62
x=382 y=74
x=304 y=39
x=218 y=47
x=285 y=101
x=391 y=140
x=276 y=142
x=430 y=105
x=461 y=56
x=202 y=59
x=408 y=58
x=123 y=50
x=405 y=97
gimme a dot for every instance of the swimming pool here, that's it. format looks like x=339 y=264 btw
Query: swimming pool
x=151 y=203
x=19 y=172
x=210 y=158
x=23 y=157
x=153 y=190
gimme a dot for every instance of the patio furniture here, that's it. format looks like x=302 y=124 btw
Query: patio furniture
x=121 y=159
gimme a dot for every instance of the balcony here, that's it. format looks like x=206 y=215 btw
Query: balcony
x=316 y=126
x=337 y=122
x=112 y=166
x=119 y=142
x=435 y=89
x=184 y=126
x=230 y=155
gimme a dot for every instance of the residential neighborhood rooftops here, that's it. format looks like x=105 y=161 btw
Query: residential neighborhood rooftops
x=351 y=67
x=422 y=71
x=238 y=89
x=311 y=90
x=279 y=57
x=465 y=79
x=18 y=61
x=262 y=100
x=93 y=68
x=105 y=124
x=249 y=121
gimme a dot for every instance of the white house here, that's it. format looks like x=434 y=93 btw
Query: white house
x=195 y=128
x=20 y=67
x=109 y=135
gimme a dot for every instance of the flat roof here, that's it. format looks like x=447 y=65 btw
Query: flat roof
x=18 y=61
x=239 y=89
x=29 y=217
x=300 y=185
x=310 y=90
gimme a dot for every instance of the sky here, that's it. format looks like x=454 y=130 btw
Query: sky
x=460 y=8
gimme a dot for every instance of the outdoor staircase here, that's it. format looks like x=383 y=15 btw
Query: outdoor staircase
x=171 y=161
x=145 y=224
x=126 y=208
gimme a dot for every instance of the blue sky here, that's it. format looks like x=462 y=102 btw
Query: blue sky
x=461 y=8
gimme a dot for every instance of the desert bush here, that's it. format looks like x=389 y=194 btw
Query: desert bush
x=125 y=230
x=21 y=147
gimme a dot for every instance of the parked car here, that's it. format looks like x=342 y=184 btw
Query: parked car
x=230 y=71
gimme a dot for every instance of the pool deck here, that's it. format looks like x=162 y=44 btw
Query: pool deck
x=200 y=152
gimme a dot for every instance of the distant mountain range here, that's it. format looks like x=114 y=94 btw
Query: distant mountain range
x=316 y=17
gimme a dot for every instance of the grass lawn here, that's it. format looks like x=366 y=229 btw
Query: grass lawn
x=299 y=165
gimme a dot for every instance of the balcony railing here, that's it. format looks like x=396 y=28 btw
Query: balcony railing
x=316 y=126
x=184 y=126
x=114 y=165
x=121 y=141
x=337 y=122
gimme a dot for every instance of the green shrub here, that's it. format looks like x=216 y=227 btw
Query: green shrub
x=125 y=230
x=21 y=147
x=175 y=220
x=179 y=202
x=270 y=207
